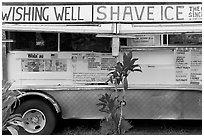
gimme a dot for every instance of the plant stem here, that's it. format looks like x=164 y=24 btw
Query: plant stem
x=119 y=123
x=116 y=87
x=121 y=110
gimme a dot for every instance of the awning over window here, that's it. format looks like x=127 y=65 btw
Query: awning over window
x=108 y=28
x=160 y=28
x=75 y=28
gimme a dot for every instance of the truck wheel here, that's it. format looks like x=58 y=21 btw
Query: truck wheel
x=39 y=117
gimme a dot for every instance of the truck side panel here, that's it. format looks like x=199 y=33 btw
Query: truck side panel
x=141 y=104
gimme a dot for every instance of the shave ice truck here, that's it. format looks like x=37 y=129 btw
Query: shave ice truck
x=59 y=54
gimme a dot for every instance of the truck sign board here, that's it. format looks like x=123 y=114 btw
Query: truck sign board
x=101 y=13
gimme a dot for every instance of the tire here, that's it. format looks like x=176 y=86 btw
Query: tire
x=40 y=119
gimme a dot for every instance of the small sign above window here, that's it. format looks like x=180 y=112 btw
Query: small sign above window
x=144 y=40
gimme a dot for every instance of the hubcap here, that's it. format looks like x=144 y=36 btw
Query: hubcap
x=34 y=120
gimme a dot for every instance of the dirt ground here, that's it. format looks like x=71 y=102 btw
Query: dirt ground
x=140 y=127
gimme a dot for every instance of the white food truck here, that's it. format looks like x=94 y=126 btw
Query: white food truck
x=59 y=54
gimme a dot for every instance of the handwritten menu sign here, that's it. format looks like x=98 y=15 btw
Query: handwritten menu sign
x=182 y=66
x=92 y=67
x=196 y=67
x=188 y=64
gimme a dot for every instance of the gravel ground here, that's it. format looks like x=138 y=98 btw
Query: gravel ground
x=140 y=127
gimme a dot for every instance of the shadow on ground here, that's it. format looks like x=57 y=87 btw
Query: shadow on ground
x=140 y=127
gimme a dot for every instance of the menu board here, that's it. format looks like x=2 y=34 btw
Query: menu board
x=183 y=66
x=188 y=63
x=35 y=62
x=86 y=77
x=92 y=67
x=44 y=65
x=196 y=67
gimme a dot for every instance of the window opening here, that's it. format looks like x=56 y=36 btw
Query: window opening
x=184 y=39
x=33 y=41
x=160 y=40
x=165 y=39
x=84 y=42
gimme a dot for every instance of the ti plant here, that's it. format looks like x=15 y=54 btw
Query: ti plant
x=10 y=121
x=112 y=104
x=122 y=70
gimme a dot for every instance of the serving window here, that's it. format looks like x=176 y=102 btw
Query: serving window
x=84 y=42
x=32 y=41
x=38 y=41
x=185 y=39
x=160 y=40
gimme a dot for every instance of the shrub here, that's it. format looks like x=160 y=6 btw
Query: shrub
x=111 y=104
x=10 y=121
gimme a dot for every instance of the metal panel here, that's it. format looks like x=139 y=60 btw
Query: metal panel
x=159 y=28
x=4 y=64
x=77 y=28
x=78 y=104
x=141 y=104
x=192 y=105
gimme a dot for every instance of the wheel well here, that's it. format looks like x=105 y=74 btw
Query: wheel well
x=38 y=97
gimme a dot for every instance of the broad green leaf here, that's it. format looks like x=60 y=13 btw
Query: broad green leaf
x=133 y=67
x=129 y=55
x=125 y=83
x=137 y=70
x=125 y=60
x=110 y=73
x=12 y=130
x=132 y=62
x=9 y=104
x=119 y=67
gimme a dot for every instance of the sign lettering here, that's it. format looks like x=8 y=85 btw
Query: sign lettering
x=33 y=55
x=48 y=14
x=102 y=13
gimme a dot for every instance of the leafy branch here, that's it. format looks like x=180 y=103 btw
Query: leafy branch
x=115 y=122
x=10 y=121
x=122 y=70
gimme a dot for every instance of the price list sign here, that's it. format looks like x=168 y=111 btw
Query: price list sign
x=196 y=67
x=188 y=63
x=183 y=60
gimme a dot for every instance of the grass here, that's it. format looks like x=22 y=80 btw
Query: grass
x=80 y=131
x=140 y=127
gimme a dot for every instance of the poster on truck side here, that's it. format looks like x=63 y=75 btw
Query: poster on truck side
x=183 y=66
x=196 y=67
x=188 y=63
x=92 y=67
x=35 y=62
